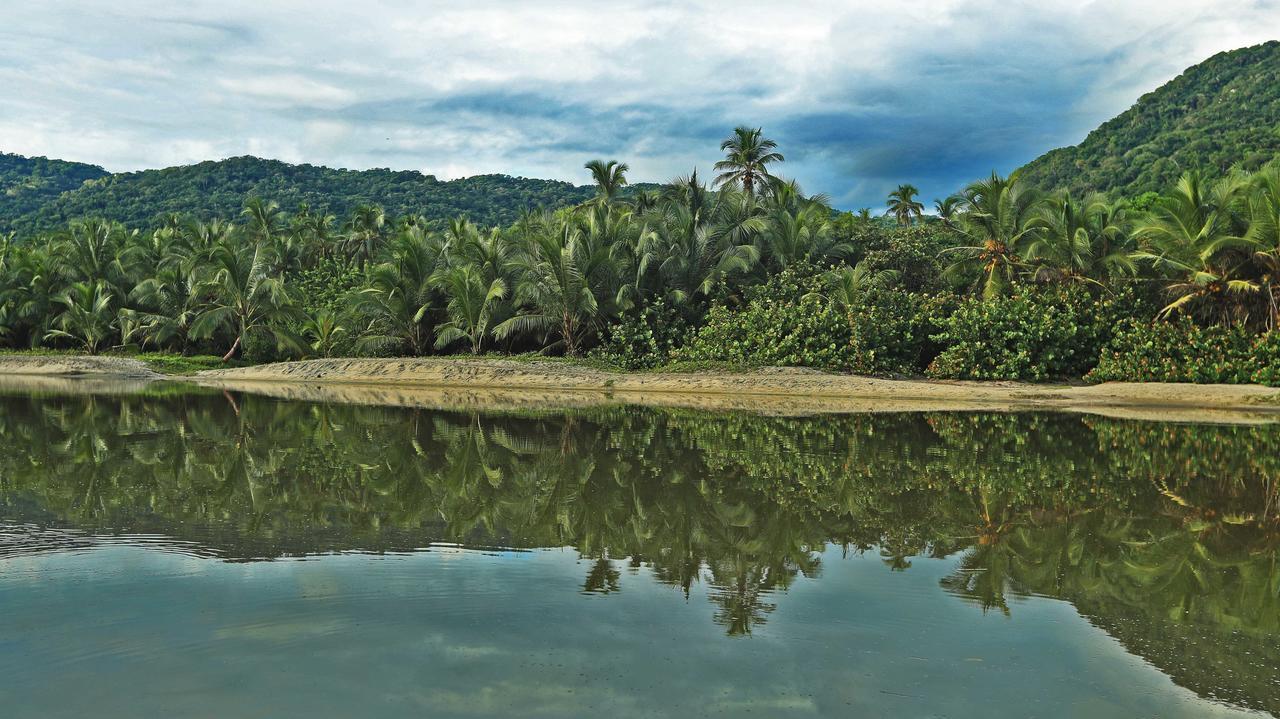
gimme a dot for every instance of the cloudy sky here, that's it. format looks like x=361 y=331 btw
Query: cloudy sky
x=861 y=95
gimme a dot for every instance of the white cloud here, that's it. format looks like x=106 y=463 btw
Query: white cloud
x=859 y=93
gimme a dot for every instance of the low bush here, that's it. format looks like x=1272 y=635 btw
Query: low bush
x=1182 y=351
x=784 y=322
x=891 y=331
x=1037 y=333
x=643 y=338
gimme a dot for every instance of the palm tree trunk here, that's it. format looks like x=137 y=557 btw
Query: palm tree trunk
x=231 y=352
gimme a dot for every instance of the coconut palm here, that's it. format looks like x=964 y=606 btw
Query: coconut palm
x=609 y=177
x=555 y=289
x=748 y=155
x=246 y=299
x=399 y=295
x=997 y=224
x=904 y=206
x=1080 y=241
x=947 y=209
x=167 y=305
x=1192 y=237
x=263 y=219
x=363 y=233
x=469 y=306
x=322 y=332
x=88 y=317
x=1264 y=237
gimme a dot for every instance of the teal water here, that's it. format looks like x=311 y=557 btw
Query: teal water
x=201 y=555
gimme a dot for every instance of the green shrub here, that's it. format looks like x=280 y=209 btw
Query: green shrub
x=1266 y=359
x=784 y=322
x=891 y=330
x=1182 y=351
x=643 y=338
x=1035 y=334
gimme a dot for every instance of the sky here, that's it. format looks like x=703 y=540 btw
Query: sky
x=860 y=96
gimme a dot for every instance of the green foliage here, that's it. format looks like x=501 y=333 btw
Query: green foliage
x=1217 y=115
x=37 y=195
x=785 y=322
x=1034 y=334
x=892 y=330
x=1182 y=351
x=643 y=338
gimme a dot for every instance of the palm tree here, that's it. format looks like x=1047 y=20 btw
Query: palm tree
x=1264 y=236
x=904 y=206
x=555 y=288
x=263 y=218
x=845 y=284
x=364 y=233
x=245 y=298
x=1085 y=241
x=167 y=305
x=469 y=307
x=89 y=317
x=322 y=332
x=399 y=294
x=1192 y=238
x=947 y=209
x=748 y=155
x=997 y=223
x=609 y=177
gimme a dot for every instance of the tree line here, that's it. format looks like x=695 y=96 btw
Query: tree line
x=272 y=284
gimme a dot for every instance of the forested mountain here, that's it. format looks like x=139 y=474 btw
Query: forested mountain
x=1221 y=113
x=29 y=183
x=40 y=195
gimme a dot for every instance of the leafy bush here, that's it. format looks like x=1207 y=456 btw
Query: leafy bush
x=1035 y=334
x=1182 y=351
x=891 y=330
x=643 y=338
x=785 y=322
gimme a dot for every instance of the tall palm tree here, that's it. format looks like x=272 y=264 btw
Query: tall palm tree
x=904 y=206
x=748 y=154
x=947 y=209
x=263 y=219
x=609 y=177
x=245 y=298
x=364 y=233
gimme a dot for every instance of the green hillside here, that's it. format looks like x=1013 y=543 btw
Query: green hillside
x=29 y=183
x=1221 y=113
x=42 y=195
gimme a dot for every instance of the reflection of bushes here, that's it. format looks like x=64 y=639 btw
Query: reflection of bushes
x=1050 y=502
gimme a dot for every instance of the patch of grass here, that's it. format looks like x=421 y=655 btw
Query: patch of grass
x=172 y=364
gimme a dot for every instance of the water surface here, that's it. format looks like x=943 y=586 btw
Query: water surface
x=182 y=553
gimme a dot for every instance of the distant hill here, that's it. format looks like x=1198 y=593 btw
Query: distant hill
x=38 y=195
x=1218 y=114
x=29 y=183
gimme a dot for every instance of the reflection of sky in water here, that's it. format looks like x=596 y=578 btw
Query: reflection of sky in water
x=127 y=632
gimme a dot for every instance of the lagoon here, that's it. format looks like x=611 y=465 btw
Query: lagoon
x=186 y=552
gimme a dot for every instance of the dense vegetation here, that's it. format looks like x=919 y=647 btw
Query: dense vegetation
x=1220 y=114
x=1006 y=283
x=38 y=195
x=1163 y=534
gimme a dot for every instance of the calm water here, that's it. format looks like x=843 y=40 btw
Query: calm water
x=192 y=554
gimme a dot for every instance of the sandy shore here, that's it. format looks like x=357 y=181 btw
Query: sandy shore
x=504 y=384
x=489 y=383
x=74 y=366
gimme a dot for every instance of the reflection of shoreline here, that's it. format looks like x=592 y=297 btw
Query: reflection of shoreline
x=505 y=384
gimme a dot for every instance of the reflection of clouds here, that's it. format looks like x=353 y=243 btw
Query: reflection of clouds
x=861 y=96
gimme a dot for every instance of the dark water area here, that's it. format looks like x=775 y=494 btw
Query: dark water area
x=197 y=554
